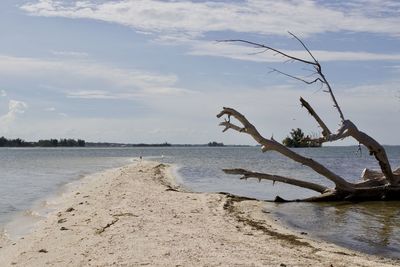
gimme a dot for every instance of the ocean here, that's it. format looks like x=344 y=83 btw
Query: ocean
x=31 y=176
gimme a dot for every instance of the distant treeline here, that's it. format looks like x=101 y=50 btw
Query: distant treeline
x=4 y=142
x=105 y=144
x=215 y=144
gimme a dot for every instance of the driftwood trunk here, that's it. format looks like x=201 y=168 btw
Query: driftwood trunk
x=375 y=185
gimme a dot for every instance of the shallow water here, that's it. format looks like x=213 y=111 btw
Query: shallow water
x=30 y=175
x=371 y=227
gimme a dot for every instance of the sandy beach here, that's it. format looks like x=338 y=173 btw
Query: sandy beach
x=137 y=215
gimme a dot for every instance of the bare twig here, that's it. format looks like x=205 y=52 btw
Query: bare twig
x=298 y=78
x=305 y=47
x=314 y=63
x=269 y=48
x=260 y=52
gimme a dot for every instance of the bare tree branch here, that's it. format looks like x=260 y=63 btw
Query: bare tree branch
x=384 y=185
x=349 y=129
x=374 y=149
x=259 y=52
x=268 y=144
x=298 y=78
x=372 y=145
x=268 y=48
x=336 y=105
x=325 y=130
x=305 y=47
x=264 y=176
x=314 y=63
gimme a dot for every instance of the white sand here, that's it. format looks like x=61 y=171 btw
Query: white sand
x=131 y=217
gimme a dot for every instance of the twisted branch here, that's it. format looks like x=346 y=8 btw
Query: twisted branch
x=269 y=144
x=325 y=129
x=314 y=63
x=264 y=176
x=348 y=129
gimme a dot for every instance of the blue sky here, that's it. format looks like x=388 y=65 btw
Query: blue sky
x=152 y=71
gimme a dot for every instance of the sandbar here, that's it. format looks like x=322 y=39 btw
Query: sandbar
x=137 y=215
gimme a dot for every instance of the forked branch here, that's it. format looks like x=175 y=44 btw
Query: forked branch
x=314 y=63
x=268 y=48
x=384 y=185
x=348 y=129
x=270 y=144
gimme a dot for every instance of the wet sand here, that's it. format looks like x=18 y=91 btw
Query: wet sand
x=137 y=216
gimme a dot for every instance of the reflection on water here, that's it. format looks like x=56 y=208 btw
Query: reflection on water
x=371 y=227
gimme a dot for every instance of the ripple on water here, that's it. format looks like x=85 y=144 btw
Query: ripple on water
x=370 y=227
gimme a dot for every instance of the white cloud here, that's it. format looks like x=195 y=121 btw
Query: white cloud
x=396 y=69
x=190 y=118
x=92 y=94
x=374 y=8
x=14 y=109
x=122 y=77
x=70 y=53
x=119 y=82
x=50 y=109
x=150 y=92
x=242 y=52
x=186 y=18
x=3 y=93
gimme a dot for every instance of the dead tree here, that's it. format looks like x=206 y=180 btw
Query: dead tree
x=375 y=185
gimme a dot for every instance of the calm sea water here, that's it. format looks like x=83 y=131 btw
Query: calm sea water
x=27 y=176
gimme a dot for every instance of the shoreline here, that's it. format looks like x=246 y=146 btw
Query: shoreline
x=21 y=223
x=139 y=215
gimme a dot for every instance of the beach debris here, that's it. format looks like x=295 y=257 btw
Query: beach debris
x=43 y=250
x=161 y=165
x=64 y=228
x=70 y=209
x=158 y=168
x=379 y=185
x=102 y=229
x=171 y=189
x=125 y=214
x=278 y=199
x=63 y=220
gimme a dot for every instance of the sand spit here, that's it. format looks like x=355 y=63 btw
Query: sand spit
x=136 y=216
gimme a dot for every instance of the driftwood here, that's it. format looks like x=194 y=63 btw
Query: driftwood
x=376 y=185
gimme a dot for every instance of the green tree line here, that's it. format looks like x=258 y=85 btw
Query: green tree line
x=18 y=142
x=298 y=139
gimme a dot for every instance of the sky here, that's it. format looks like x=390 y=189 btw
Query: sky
x=153 y=71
